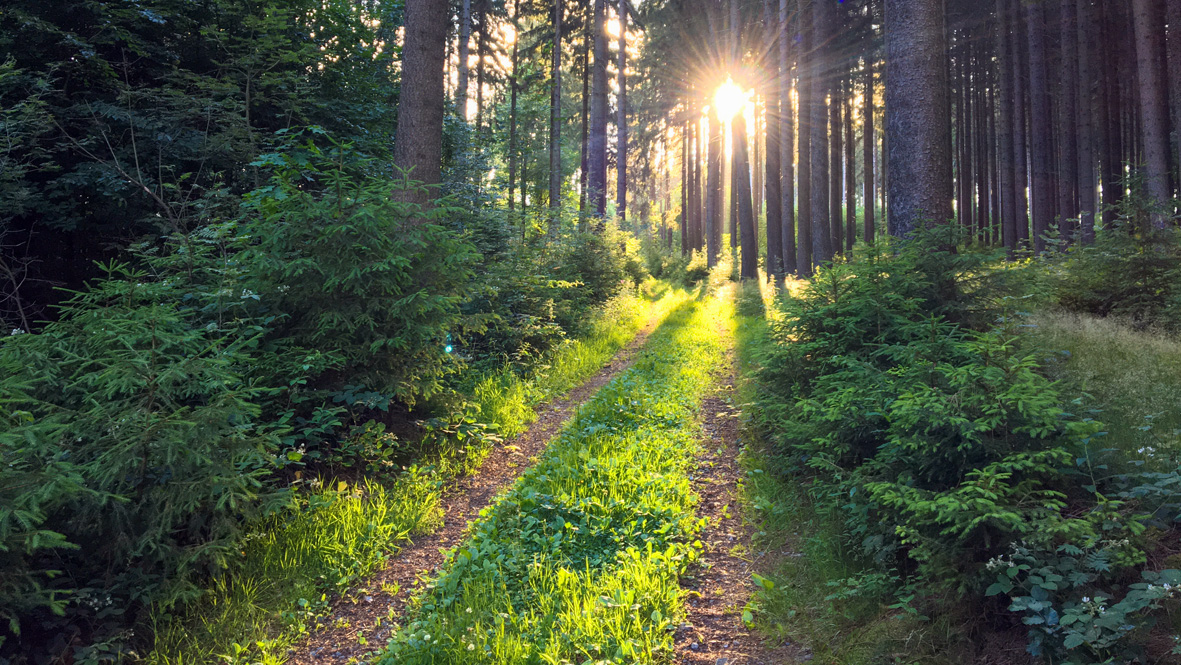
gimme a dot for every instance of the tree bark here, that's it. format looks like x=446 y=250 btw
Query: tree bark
x=481 y=63
x=804 y=67
x=774 y=195
x=555 y=122
x=787 y=149
x=418 y=143
x=1086 y=128
x=746 y=218
x=584 y=166
x=512 y=116
x=867 y=150
x=1154 y=109
x=1008 y=211
x=821 y=196
x=465 y=38
x=597 y=142
x=621 y=118
x=713 y=186
x=836 y=151
x=850 y=168
x=917 y=127
x=1041 y=126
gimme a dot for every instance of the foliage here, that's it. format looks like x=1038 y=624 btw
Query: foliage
x=937 y=446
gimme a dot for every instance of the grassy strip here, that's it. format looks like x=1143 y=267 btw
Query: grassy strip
x=579 y=561
x=1133 y=376
x=292 y=563
x=506 y=398
x=819 y=595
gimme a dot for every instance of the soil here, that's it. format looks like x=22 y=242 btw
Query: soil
x=364 y=618
x=713 y=632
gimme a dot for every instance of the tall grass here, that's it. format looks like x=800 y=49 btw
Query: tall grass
x=579 y=561
x=1132 y=377
x=290 y=563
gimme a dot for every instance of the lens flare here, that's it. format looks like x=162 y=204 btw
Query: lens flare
x=731 y=99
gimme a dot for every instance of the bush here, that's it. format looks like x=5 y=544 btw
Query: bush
x=940 y=448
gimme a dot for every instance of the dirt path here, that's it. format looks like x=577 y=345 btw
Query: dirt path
x=365 y=617
x=713 y=632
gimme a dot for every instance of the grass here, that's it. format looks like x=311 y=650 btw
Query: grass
x=579 y=561
x=292 y=564
x=506 y=398
x=1132 y=377
x=818 y=595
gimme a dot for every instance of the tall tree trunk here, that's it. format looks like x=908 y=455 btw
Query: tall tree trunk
x=481 y=63
x=850 y=168
x=465 y=38
x=1173 y=18
x=418 y=144
x=555 y=123
x=787 y=139
x=772 y=183
x=686 y=196
x=807 y=90
x=1008 y=211
x=587 y=39
x=695 y=203
x=867 y=152
x=1086 y=126
x=1154 y=107
x=1068 y=112
x=917 y=127
x=1020 y=128
x=821 y=196
x=746 y=218
x=1041 y=126
x=514 y=87
x=597 y=142
x=621 y=118
x=836 y=153
x=713 y=190
x=982 y=162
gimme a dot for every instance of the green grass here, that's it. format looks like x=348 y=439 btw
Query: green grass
x=506 y=398
x=291 y=565
x=323 y=541
x=1132 y=377
x=579 y=561
x=819 y=596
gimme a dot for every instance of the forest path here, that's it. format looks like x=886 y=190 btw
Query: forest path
x=713 y=632
x=362 y=619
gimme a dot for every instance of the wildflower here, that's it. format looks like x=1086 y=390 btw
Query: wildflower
x=469 y=610
x=471 y=647
x=1086 y=599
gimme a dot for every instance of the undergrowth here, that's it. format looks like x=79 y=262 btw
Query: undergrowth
x=579 y=561
x=293 y=563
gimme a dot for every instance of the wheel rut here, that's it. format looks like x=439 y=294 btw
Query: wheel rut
x=719 y=588
x=362 y=619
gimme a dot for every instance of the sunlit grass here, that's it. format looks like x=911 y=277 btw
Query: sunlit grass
x=579 y=561
x=290 y=564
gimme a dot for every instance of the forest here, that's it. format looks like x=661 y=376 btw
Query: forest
x=576 y=332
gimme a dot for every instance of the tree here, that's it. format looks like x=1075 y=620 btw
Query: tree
x=1148 y=19
x=555 y=121
x=917 y=113
x=1041 y=125
x=818 y=117
x=621 y=121
x=418 y=147
x=465 y=38
x=867 y=149
x=787 y=137
x=596 y=183
x=772 y=180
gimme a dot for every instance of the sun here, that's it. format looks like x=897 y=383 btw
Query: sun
x=731 y=99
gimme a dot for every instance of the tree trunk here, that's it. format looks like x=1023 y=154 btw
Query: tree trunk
x=597 y=142
x=774 y=195
x=836 y=153
x=917 y=127
x=584 y=166
x=1086 y=127
x=1068 y=113
x=787 y=149
x=1173 y=44
x=686 y=196
x=512 y=116
x=1020 y=128
x=695 y=202
x=746 y=218
x=713 y=187
x=850 y=168
x=481 y=63
x=1008 y=211
x=821 y=196
x=804 y=67
x=621 y=118
x=867 y=150
x=465 y=38
x=1154 y=108
x=418 y=144
x=1041 y=126
x=555 y=122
